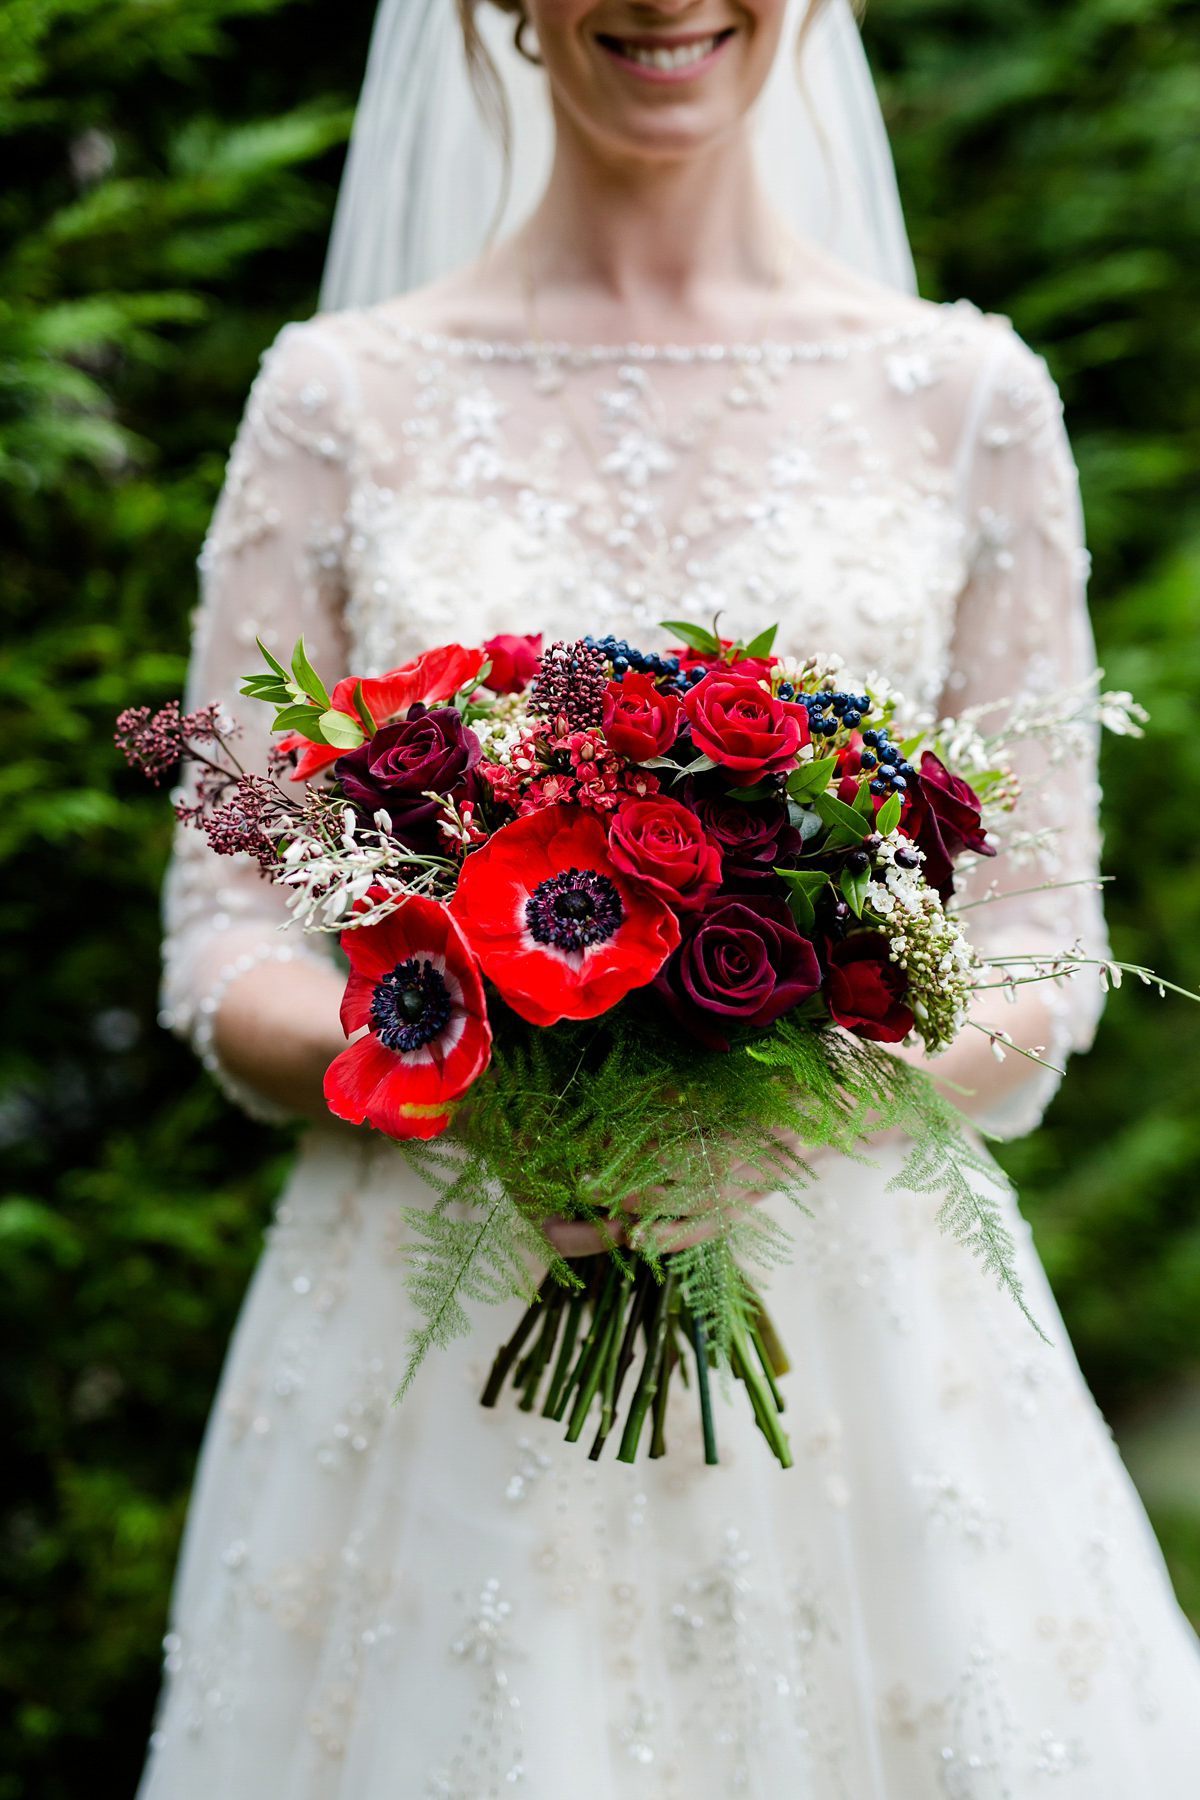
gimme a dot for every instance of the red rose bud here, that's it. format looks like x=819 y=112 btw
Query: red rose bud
x=742 y=727
x=639 y=722
x=663 y=845
x=865 y=991
x=741 y=961
x=514 y=662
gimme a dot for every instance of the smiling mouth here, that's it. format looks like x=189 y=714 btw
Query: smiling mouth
x=664 y=58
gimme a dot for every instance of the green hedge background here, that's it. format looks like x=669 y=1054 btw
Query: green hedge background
x=171 y=168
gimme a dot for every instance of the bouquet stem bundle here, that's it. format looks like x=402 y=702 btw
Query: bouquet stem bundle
x=626 y=1304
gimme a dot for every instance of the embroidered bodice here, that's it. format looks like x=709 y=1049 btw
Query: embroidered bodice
x=905 y=498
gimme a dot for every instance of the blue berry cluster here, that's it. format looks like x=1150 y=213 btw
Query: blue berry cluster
x=894 y=773
x=663 y=669
x=830 y=713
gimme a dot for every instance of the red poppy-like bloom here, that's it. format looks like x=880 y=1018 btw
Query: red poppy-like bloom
x=514 y=661
x=742 y=726
x=416 y=984
x=562 y=932
x=434 y=676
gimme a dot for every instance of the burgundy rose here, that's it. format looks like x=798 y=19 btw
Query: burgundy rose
x=752 y=838
x=743 y=727
x=865 y=991
x=428 y=752
x=664 y=846
x=639 y=721
x=514 y=662
x=944 y=820
x=740 y=961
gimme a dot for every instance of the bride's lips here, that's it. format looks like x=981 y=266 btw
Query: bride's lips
x=666 y=58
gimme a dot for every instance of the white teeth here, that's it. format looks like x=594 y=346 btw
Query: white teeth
x=669 y=59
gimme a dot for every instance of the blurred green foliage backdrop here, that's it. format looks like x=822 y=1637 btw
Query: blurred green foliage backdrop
x=171 y=169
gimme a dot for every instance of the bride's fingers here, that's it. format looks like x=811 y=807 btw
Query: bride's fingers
x=571 y=1237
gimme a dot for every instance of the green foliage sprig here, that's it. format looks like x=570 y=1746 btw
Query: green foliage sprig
x=580 y=1119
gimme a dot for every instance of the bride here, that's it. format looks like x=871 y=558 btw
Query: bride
x=656 y=397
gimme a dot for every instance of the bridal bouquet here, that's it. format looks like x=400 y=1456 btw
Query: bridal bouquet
x=639 y=928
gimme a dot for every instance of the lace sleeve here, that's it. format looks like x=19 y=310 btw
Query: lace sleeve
x=1023 y=632
x=271 y=567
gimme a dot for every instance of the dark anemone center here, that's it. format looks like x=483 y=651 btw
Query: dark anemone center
x=573 y=910
x=410 y=1005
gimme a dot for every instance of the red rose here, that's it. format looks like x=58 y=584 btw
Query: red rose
x=514 y=662
x=752 y=838
x=639 y=721
x=415 y=983
x=558 y=927
x=741 y=726
x=434 y=676
x=662 y=844
x=865 y=991
x=741 y=961
x=944 y=819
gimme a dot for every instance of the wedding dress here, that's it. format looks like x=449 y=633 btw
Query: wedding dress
x=955 y=1591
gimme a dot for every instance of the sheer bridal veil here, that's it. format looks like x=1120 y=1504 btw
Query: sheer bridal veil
x=425 y=172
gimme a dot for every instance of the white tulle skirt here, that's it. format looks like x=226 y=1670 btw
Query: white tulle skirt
x=954 y=1592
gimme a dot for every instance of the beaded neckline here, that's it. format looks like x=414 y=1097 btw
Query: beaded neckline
x=583 y=356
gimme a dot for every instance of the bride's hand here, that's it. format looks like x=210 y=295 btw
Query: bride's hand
x=573 y=1237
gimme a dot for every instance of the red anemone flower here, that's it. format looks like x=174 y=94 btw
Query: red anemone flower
x=415 y=983
x=434 y=676
x=556 y=925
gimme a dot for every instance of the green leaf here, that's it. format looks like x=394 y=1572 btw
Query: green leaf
x=888 y=816
x=762 y=790
x=277 y=666
x=811 y=779
x=909 y=745
x=835 y=813
x=307 y=677
x=340 y=731
x=864 y=801
x=268 y=688
x=300 y=718
x=763 y=643
x=699 y=765
x=804 y=885
x=364 y=711
x=854 y=889
x=694 y=636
